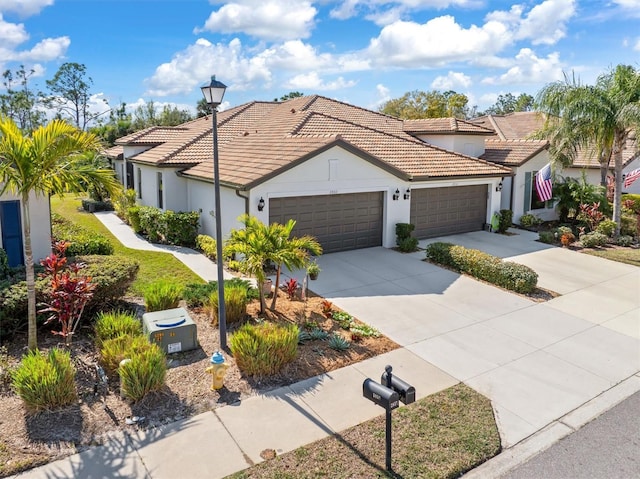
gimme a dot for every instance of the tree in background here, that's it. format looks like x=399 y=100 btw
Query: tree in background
x=46 y=162
x=594 y=118
x=509 y=103
x=148 y=115
x=70 y=95
x=289 y=96
x=433 y=104
x=20 y=103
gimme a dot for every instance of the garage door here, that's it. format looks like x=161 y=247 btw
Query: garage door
x=339 y=222
x=445 y=211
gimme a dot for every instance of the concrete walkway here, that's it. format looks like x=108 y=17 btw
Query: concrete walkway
x=548 y=368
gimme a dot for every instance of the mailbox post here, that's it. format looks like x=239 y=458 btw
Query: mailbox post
x=388 y=395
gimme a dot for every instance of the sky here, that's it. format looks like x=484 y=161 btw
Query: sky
x=363 y=52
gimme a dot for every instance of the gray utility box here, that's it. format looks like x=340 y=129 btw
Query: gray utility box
x=172 y=330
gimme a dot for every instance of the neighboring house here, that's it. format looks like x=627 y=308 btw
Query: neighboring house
x=11 y=228
x=347 y=175
x=512 y=146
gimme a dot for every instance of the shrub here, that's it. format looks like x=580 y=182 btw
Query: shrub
x=343 y=318
x=113 y=351
x=81 y=240
x=512 y=276
x=133 y=215
x=180 y=228
x=150 y=221
x=6 y=370
x=4 y=264
x=45 y=382
x=408 y=245
x=567 y=238
x=161 y=295
x=506 y=218
x=624 y=240
x=633 y=202
x=113 y=324
x=197 y=294
x=529 y=220
x=123 y=201
x=264 y=349
x=593 y=239
x=562 y=230
x=235 y=303
x=91 y=205
x=207 y=245
x=628 y=225
x=607 y=228
x=547 y=237
x=145 y=372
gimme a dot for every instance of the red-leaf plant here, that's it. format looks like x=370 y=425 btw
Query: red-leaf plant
x=591 y=215
x=70 y=291
x=291 y=287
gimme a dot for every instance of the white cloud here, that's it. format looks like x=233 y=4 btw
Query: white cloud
x=24 y=7
x=313 y=81
x=295 y=55
x=383 y=12
x=451 y=81
x=194 y=65
x=546 y=22
x=269 y=20
x=12 y=34
x=435 y=43
x=46 y=50
x=630 y=4
x=528 y=68
x=636 y=47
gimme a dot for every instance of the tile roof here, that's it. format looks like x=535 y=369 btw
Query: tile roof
x=513 y=126
x=445 y=126
x=512 y=152
x=114 y=151
x=258 y=140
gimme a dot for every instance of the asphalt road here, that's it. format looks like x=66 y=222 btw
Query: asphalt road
x=606 y=448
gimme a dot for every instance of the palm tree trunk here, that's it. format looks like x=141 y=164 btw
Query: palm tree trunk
x=276 y=289
x=31 y=279
x=617 y=194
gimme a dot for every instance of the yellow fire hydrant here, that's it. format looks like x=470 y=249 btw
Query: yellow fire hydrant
x=217 y=370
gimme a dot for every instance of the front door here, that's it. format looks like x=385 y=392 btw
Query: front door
x=11 y=228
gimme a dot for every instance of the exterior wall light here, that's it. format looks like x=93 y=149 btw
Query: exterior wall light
x=407 y=194
x=396 y=195
x=261 y=204
x=499 y=187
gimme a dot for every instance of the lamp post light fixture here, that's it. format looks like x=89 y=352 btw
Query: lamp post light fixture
x=213 y=94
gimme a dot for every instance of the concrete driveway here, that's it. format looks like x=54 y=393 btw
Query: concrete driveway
x=537 y=362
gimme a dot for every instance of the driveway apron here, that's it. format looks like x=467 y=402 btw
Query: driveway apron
x=536 y=361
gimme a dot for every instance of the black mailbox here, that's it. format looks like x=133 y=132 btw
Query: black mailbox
x=406 y=392
x=381 y=395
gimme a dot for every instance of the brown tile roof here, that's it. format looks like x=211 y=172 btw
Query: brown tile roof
x=445 y=126
x=258 y=140
x=512 y=152
x=513 y=126
x=588 y=158
x=154 y=135
x=114 y=151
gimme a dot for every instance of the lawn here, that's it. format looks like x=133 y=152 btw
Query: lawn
x=153 y=265
x=440 y=436
x=622 y=255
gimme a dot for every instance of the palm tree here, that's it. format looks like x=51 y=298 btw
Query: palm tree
x=290 y=252
x=261 y=244
x=598 y=118
x=49 y=161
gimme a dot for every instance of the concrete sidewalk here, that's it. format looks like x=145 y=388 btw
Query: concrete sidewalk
x=548 y=368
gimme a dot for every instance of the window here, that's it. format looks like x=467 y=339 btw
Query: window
x=531 y=201
x=139 y=173
x=159 y=177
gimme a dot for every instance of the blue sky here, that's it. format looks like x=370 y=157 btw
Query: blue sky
x=360 y=51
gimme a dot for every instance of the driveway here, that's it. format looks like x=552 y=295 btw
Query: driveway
x=537 y=362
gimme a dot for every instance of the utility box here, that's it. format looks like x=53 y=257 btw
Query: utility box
x=172 y=330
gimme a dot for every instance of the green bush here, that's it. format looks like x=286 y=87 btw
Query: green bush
x=343 y=318
x=481 y=265
x=593 y=240
x=624 y=240
x=91 y=205
x=180 y=228
x=506 y=218
x=607 y=228
x=4 y=264
x=112 y=324
x=628 y=225
x=161 y=295
x=408 y=245
x=150 y=222
x=235 y=303
x=145 y=372
x=123 y=201
x=81 y=240
x=547 y=237
x=45 y=382
x=133 y=217
x=563 y=230
x=264 y=349
x=113 y=351
x=112 y=276
x=529 y=221
x=404 y=230
x=207 y=245
x=634 y=199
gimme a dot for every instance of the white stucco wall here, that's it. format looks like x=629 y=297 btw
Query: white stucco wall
x=40 y=213
x=201 y=198
x=518 y=193
x=472 y=145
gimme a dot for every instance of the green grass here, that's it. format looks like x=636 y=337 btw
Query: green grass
x=440 y=436
x=626 y=255
x=153 y=265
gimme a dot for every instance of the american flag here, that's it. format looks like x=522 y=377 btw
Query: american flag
x=631 y=177
x=543 y=183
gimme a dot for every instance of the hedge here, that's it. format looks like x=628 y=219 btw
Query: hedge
x=512 y=276
x=168 y=226
x=82 y=241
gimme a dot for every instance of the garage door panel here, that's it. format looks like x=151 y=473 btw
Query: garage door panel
x=339 y=222
x=443 y=211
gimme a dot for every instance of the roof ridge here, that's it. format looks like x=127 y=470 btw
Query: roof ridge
x=317 y=97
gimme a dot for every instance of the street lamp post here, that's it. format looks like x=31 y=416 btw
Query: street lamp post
x=213 y=94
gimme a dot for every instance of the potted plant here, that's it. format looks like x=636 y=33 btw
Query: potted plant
x=313 y=270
